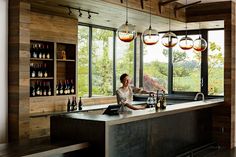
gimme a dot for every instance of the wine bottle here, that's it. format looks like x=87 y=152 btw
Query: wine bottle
x=47 y=52
x=32 y=90
x=80 y=103
x=40 y=74
x=40 y=51
x=32 y=71
x=37 y=88
x=157 y=100
x=45 y=70
x=65 y=89
x=61 y=88
x=57 y=88
x=49 y=89
x=68 y=105
x=72 y=89
x=44 y=89
x=68 y=87
x=75 y=104
x=43 y=51
x=34 y=53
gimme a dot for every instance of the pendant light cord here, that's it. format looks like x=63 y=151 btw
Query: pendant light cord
x=126 y=11
x=150 y=15
x=186 y=27
x=169 y=19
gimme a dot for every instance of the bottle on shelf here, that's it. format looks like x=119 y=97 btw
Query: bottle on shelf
x=65 y=89
x=40 y=55
x=60 y=86
x=43 y=51
x=72 y=107
x=39 y=71
x=80 y=104
x=37 y=86
x=57 y=88
x=45 y=70
x=34 y=51
x=72 y=87
x=32 y=70
x=47 y=52
x=32 y=90
x=68 y=87
x=49 y=89
x=44 y=89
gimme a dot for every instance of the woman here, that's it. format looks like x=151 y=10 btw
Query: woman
x=125 y=93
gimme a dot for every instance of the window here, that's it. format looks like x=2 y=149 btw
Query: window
x=83 y=61
x=96 y=61
x=155 y=67
x=186 y=68
x=216 y=62
x=124 y=60
x=102 y=61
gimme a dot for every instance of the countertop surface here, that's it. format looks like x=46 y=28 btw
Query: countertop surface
x=147 y=113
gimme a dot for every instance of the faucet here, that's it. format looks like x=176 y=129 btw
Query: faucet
x=199 y=93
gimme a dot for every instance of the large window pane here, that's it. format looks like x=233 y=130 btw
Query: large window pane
x=216 y=62
x=83 y=61
x=124 y=60
x=102 y=56
x=155 y=67
x=186 y=69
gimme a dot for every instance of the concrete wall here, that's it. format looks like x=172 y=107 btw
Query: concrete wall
x=3 y=69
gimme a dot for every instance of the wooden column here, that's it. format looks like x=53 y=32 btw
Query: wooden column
x=223 y=116
x=18 y=72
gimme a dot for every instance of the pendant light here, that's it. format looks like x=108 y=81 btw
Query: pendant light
x=150 y=36
x=126 y=32
x=200 y=44
x=169 y=39
x=186 y=43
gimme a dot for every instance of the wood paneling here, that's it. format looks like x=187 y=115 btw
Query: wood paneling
x=224 y=116
x=53 y=28
x=18 y=73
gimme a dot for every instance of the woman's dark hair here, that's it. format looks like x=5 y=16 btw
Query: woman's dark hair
x=122 y=77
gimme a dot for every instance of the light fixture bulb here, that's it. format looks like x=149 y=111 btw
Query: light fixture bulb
x=200 y=44
x=186 y=43
x=126 y=32
x=169 y=39
x=150 y=36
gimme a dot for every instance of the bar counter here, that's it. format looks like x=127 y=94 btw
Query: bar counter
x=141 y=133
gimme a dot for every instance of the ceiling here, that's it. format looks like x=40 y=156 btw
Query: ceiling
x=114 y=15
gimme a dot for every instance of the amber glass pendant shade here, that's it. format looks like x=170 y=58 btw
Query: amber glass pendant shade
x=150 y=36
x=169 y=40
x=200 y=44
x=126 y=32
x=186 y=43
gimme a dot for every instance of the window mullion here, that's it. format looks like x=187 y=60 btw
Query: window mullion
x=90 y=61
x=204 y=66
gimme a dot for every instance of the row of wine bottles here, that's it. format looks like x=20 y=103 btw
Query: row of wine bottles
x=65 y=88
x=158 y=101
x=38 y=70
x=40 y=50
x=40 y=88
x=72 y=104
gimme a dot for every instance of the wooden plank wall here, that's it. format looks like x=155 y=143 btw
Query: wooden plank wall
x=18 y=72
x=224 y=116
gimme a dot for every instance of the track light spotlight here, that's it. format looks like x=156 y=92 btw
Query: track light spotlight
x=89 y=15
x=70 y=12
x=80 y=14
